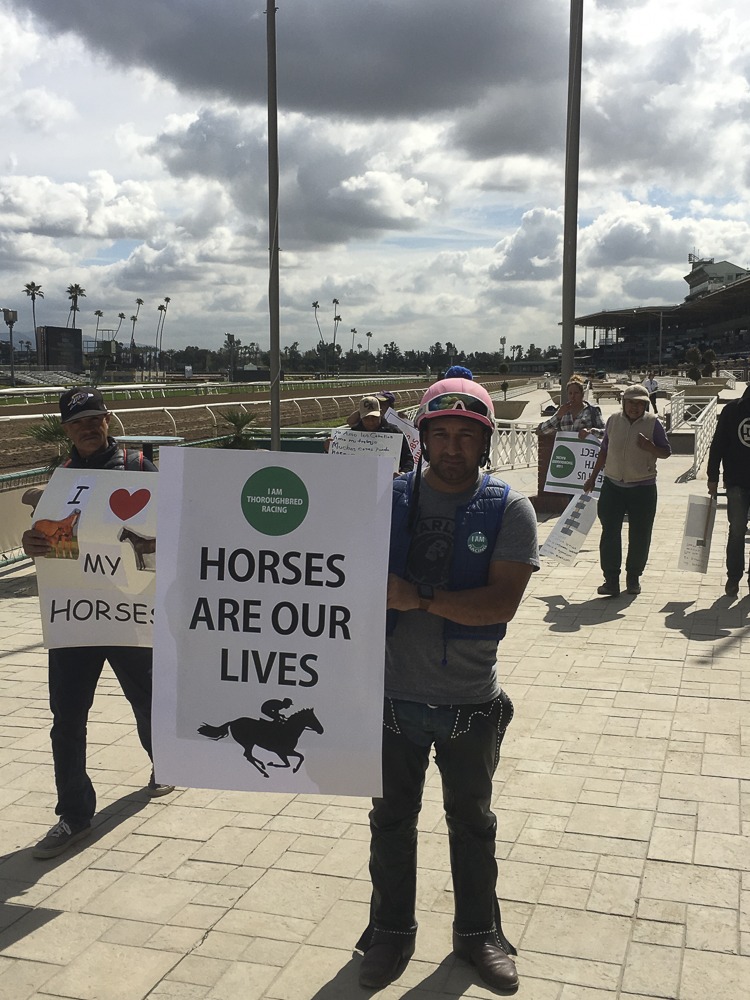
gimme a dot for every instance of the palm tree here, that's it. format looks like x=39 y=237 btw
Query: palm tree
x=98 y=313
x=121 y=317
x=34 y=292
x=163 y=310
x=369 y=338
x=316 y=306
x=74 y=293
x=134 y=320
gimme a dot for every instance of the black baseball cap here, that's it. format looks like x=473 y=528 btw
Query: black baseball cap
x=81 y=402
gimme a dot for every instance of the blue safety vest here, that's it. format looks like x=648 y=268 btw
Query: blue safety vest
x=481 y=517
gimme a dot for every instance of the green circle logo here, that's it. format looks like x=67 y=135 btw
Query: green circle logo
x=477 y=542
x=563 y=462
x=275 y=501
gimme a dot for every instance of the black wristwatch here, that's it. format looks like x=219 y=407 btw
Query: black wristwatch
x=426 y=594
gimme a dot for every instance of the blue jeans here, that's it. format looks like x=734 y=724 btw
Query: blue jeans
x=738 y=506
x=73 y=675
x=467 y=741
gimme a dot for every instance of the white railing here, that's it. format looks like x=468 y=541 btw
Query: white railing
x=730 y=377
x=700 y=414
x=704 y=427
x=677 y=409
x=514 y=444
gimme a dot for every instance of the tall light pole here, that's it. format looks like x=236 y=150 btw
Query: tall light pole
x=570 y=225
x=11 y=316
x=273 y=230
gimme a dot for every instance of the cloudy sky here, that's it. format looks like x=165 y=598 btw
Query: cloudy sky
x=422 y=162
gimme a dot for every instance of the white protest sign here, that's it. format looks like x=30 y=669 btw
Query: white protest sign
x=346 y=441
x=97 y=586
x=270 y=637
x=568 y=535
x=572 y=463
x=696 y=539
x=408 y=429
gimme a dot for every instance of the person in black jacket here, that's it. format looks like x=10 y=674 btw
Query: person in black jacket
x=731 y=449
x=75 y=671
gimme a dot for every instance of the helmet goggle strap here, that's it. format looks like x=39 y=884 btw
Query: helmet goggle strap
x=449 y=401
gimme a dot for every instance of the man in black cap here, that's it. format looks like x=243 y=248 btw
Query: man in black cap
x=75 y=671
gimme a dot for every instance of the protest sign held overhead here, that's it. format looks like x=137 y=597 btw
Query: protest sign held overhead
x=269 y=643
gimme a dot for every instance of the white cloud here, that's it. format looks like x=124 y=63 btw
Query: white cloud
x=422 y=160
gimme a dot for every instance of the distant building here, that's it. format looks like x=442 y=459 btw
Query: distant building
x=714 y=314
x=707 y=276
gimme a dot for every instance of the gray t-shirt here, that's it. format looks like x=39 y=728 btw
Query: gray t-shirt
x=420 y=665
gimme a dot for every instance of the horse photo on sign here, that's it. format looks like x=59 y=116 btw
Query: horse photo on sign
x=144 y=549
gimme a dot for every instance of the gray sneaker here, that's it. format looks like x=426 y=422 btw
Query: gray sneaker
x=155 y=790
x=59 y=839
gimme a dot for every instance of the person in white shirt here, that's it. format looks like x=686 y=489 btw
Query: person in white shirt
x=651 y=386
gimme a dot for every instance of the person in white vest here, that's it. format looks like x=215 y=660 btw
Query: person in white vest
x=633 y=440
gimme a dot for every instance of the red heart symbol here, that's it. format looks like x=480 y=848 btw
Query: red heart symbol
x=124 y=504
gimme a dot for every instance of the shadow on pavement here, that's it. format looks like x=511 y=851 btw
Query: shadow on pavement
x=20 y=872
x=721 y=621
x=451 y=979
x=562 y=616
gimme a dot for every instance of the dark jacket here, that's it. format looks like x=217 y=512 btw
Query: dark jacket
x=731 y=444
x=406 y=461
x=113 y=457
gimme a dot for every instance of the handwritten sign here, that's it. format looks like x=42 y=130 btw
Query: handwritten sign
x=270 y=637
x=379 y=443
x=568 y=535
x=96 y=588
x=572 y=463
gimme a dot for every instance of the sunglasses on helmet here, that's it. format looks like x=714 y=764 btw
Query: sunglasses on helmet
x=458 y=401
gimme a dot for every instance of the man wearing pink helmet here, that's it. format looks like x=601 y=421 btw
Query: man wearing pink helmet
x=463 y=547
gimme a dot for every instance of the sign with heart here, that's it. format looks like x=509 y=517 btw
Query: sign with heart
x=125 y=504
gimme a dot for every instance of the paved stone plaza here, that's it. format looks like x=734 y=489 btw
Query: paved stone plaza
x=623 y=800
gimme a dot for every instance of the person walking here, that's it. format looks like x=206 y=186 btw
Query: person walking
x=651 y=386
x=575 y=414
x=730 y=449
x=633 y=441
x=73 y=672
x=462 y=550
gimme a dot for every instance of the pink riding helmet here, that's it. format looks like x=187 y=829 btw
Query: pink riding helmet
x=457 y=397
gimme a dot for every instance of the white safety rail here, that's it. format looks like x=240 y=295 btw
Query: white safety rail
x=514 y=444
x=704 y=428
x=731 y=377
x=677 y=409
x=701 y=415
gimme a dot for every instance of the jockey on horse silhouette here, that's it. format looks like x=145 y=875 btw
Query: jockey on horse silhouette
x=273 y=708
